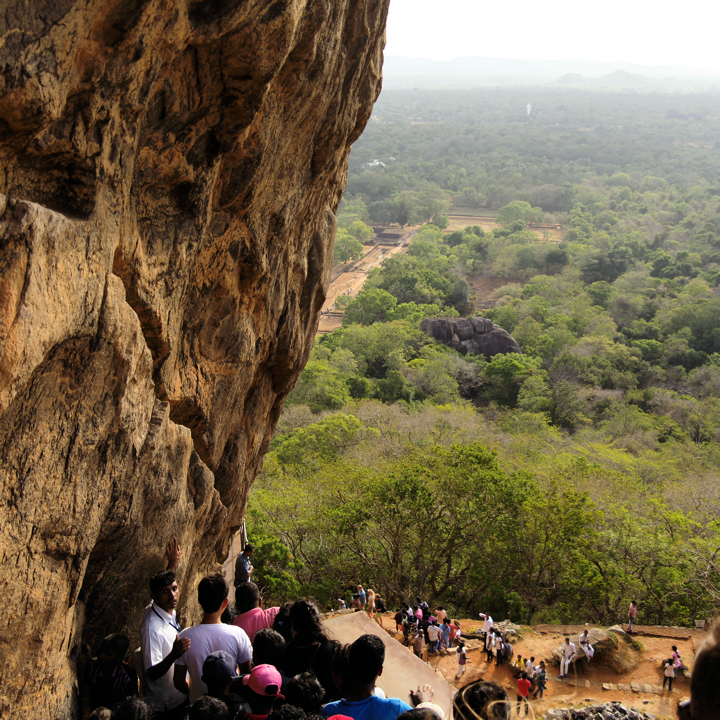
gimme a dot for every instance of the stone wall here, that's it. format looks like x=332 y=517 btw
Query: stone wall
x=169 y=172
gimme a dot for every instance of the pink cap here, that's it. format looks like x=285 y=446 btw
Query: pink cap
x=262 y=678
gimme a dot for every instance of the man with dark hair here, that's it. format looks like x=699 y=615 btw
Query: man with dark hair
x=481 y=701
x=111 y=680
x=207 y=637
x=269 y=648
x=243 y=567
x=208 y=708
x=161 y=646
x=252 y=617
x=306 y=692
x=367 y=655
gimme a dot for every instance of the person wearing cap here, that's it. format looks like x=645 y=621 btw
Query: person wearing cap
x=262 y=690
x=210 y=635
x=243 y=567
x=218 y=672
x=366 y=659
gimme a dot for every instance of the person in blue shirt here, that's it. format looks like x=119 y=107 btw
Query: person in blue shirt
x=445 y=634
x=367 y=655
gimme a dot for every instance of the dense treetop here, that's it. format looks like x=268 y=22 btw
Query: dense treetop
x=585 y=468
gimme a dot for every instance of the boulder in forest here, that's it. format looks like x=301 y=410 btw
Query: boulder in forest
x=475 y=336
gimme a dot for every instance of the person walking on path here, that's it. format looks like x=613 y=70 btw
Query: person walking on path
x=632 y=615
x=489 y=646
x=540 y=680
x=676 y=659
x=669 y=673
x=523 y=692
x=445 y=635
x=498 y=649
x=243 y=566
x=434 y=637
x=462 y=660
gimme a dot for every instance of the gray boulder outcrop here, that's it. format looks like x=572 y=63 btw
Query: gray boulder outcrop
x=601 y=711
x=476 y=335
x=169 y=175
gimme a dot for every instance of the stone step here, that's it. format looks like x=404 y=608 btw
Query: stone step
x=634 y=687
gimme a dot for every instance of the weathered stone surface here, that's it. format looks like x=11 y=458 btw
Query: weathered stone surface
x=598 y=639
x=478 y=336
x=169 y=173
x=606 y=711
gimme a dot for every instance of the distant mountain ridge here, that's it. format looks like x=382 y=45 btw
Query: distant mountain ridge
x=399 y=71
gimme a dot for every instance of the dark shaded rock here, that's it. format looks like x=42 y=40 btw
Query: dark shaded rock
x=476 y=336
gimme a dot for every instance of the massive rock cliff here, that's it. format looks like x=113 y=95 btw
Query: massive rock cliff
x=169 y=172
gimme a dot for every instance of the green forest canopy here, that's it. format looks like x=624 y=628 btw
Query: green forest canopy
x=558 y=484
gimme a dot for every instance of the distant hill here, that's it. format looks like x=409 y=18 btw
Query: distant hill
x=404 y=72
x=619 y=79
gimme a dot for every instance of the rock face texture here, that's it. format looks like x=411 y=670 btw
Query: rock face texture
x=477 y=335
x=169 y=172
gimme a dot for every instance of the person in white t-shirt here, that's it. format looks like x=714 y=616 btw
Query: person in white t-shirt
x=487 y=623
x=209 y=636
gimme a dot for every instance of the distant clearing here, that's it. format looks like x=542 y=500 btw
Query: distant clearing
x=460 y=222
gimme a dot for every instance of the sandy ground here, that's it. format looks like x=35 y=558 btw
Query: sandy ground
x=586 y=686
x=350 y=281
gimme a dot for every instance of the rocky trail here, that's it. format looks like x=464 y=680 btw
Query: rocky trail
x=596 y=682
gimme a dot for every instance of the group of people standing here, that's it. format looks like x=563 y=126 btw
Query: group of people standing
x=420 y=625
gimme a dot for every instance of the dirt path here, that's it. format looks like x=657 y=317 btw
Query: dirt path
x=350 y=281
x=586 y=685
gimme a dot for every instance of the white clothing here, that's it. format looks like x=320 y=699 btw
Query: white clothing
x=488 y=624
x=529 y=669
x=158 y=630
x=205 y=639
x=587 y=647
x=433 y=633
x=569 y=650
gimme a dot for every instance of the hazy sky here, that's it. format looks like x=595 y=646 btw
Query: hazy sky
x=649 y=33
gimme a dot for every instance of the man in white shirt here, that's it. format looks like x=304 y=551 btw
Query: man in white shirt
x=487 y=623
x=209 y=636
x=160 y=643
x=568 y=655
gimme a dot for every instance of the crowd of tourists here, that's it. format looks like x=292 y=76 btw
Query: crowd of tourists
x=250 y=663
